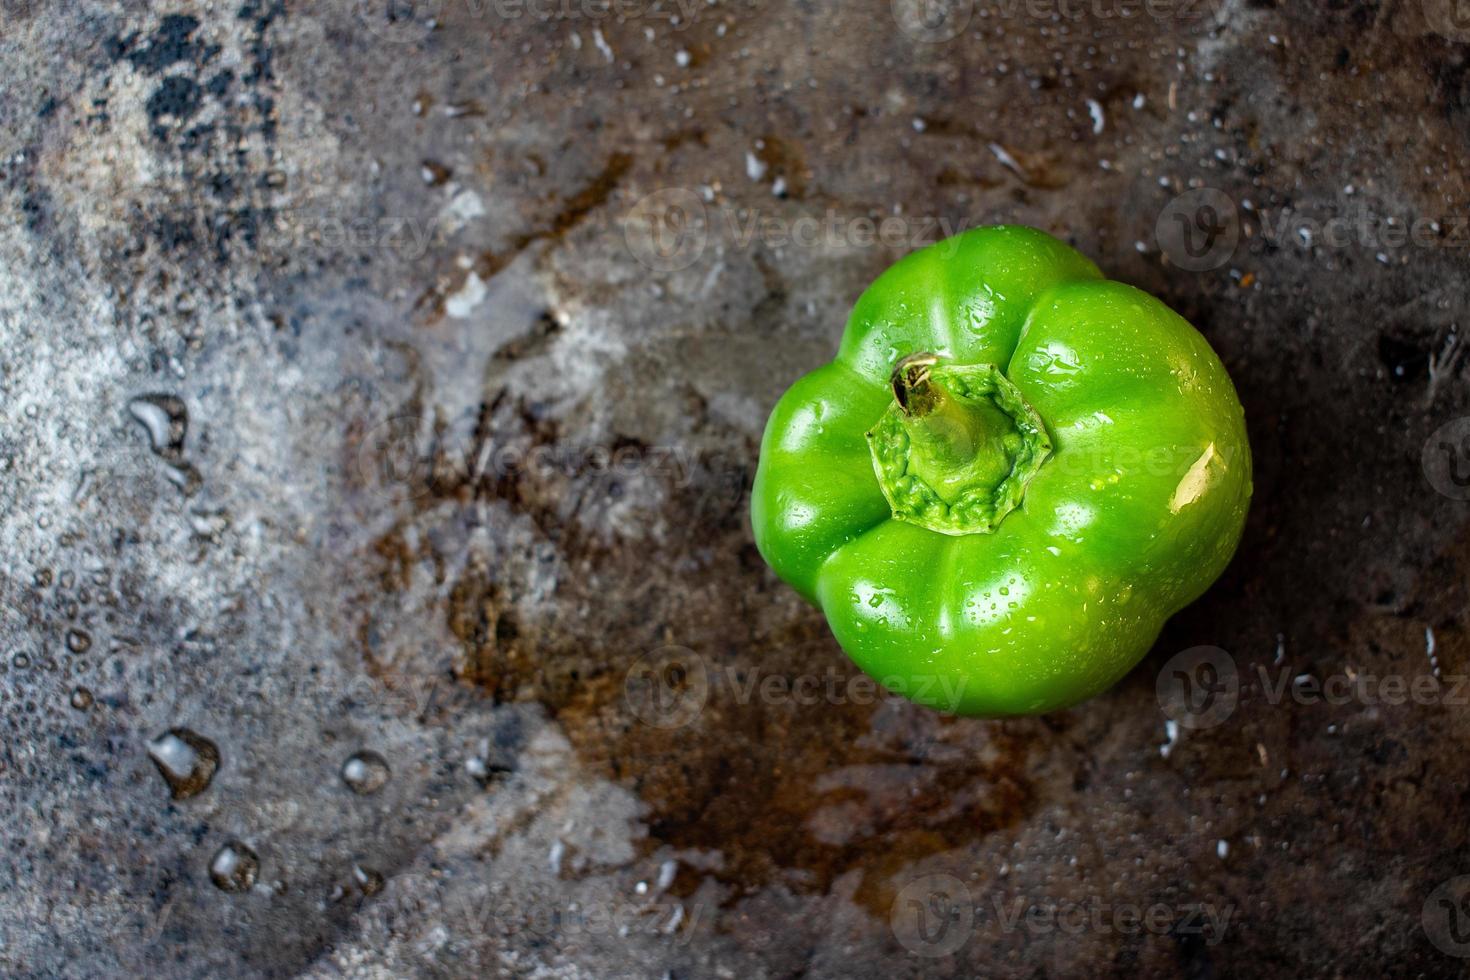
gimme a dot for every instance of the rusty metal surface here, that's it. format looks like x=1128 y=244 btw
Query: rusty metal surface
x=381 y=385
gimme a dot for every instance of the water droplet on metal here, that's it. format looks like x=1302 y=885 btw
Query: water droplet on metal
x=186 y=478
x=78 y=641
x=365 y=772
x=207 y=524
x=234 y=868
x=186 y=759
x=369 y=882
x=81 y=699
x=482 y=769
x=167 y=421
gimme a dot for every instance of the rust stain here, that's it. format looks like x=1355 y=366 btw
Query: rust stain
x=788 y=793
x=573 y=211
x=800 y=795
x=784 y=158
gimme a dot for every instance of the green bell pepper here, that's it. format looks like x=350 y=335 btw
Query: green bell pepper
x=1012 y=474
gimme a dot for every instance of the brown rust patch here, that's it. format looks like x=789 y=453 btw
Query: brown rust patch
x=476 y=615
x=784 y=159
x=573 y=211
x=788 y=793
x=802 y=794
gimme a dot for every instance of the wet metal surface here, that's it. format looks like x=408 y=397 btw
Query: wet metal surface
x=381 y=386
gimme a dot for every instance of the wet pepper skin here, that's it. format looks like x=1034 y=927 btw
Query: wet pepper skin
x=1135 y=509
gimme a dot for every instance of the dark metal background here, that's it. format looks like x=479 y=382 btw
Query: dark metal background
x=463 y=425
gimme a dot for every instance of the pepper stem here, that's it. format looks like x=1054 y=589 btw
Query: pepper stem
x=956 y=448
x=911 y=387
x=956 y=443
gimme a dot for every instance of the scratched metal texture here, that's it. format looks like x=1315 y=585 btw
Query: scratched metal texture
x=457 y=324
